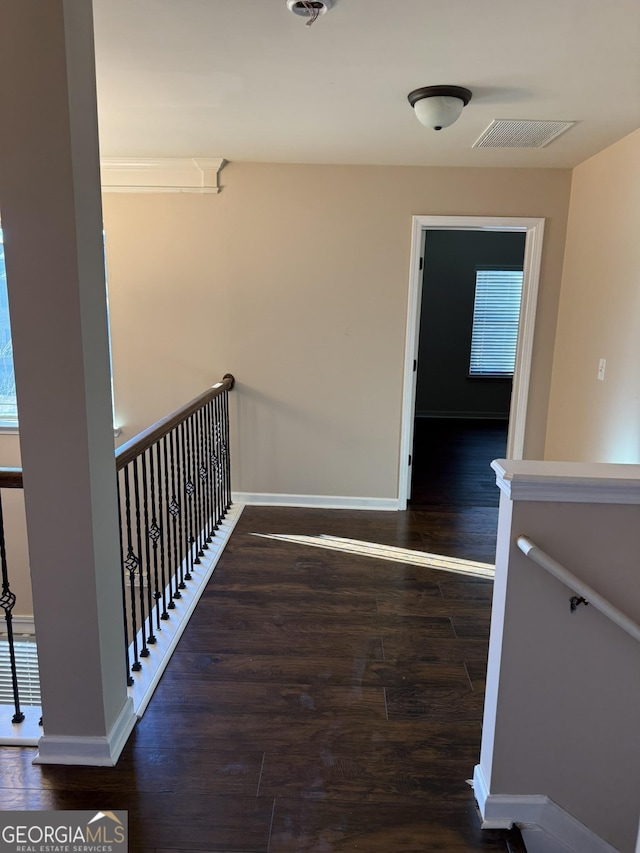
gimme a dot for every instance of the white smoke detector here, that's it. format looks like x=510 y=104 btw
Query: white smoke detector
x=311 y=9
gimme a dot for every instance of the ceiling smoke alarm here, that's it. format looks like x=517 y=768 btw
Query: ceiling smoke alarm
x=311 y=9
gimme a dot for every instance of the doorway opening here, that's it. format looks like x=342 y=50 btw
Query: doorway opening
x=471 y=291
x=492 y=435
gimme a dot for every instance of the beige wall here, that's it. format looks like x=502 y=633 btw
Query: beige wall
x=599 y=314
x=295 y=279
x=561 y=708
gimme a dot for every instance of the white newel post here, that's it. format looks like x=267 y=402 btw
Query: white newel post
x=52 y=221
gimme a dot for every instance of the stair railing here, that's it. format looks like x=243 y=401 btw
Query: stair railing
x=585 y=594
x=174 y=490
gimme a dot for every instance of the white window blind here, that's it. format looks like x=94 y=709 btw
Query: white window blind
x=26 y=654
x=496 y=312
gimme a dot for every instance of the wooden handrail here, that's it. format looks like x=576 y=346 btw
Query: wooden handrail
x=126 y=453
x=11 y=478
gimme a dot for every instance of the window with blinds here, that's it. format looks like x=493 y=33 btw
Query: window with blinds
x=496 y=312
x=26 y=654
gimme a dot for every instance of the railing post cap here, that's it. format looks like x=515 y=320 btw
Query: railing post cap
x=231 y=379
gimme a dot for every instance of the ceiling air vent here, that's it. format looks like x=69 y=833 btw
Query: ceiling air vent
x=510 y=133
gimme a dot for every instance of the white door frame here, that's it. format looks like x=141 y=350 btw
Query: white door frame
x=534 y=230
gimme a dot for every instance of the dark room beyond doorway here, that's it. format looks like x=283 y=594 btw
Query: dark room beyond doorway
x=461 y=420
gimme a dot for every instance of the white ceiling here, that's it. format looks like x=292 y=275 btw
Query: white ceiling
x=247 y=80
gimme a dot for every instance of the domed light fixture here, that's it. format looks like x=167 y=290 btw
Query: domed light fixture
x=439 y=106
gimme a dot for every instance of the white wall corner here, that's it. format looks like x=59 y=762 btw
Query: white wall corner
x=89 y=751
x=501 y=811
x=161 y=174
x=481 y=793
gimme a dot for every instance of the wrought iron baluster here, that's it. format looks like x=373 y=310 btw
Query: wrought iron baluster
x=202 y=477
x=227 y=456
x=188 y=492
x=7 y=602
x=220 y=455
x=217 y=460
x=212 y=467
x=174 y=508
x=155 y=533
x=202 y=481
x=193 y=429
x=165 y=511
x=206 y=456
x=131 y=564
x=145 y=504
x=166 y=580
x=212 y=473
x=124 y=589
x=144 y=651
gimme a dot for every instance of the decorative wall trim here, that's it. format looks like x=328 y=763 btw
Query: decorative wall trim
x=161 y=175
x=570 y=482
x=316 y=501
x=89 y=751
x=501 y=811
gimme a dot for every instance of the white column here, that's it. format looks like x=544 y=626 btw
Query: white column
x=52 y=221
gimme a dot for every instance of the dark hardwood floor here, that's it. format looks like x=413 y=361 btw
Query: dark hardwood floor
x=318 y=701
x=451 y=461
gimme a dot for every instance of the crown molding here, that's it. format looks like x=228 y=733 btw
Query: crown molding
x=161 y=175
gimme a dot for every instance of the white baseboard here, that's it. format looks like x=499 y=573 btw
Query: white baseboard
x=501 y=811
x=89 y=751
x=315 y=501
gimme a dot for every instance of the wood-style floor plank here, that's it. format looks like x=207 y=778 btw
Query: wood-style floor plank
x=370 y=777
x=302 y=825
x=452 y=458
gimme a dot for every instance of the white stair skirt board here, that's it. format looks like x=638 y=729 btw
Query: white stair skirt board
x=146 y=680
x=26 y=733
x=501 y=811
x=89 y=751
x=315 y=501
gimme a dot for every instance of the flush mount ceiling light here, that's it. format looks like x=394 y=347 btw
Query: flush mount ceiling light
x=438 y=106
